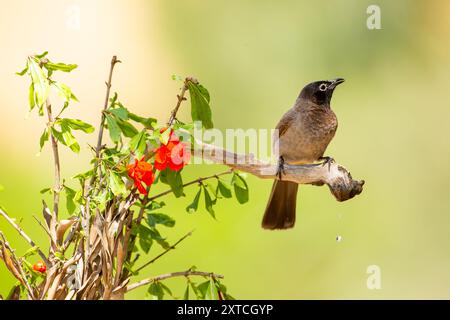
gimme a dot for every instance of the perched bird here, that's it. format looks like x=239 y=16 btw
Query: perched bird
x=304 y=133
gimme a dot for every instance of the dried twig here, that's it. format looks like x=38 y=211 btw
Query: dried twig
x=25 y=236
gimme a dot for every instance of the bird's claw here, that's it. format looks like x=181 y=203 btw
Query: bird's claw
x=280 y=168
x=326 y=160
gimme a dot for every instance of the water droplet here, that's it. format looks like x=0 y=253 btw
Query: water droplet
x=338 y=238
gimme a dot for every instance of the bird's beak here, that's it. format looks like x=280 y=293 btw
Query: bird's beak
x=336 y=82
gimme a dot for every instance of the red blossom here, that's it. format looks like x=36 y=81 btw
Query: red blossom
x=40 y=267
x=173 y=154
x=141 y=171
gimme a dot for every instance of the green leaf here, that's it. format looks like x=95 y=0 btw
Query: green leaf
x=120 y=113
x=186 y=293
x=194 y=205
x=211 y=292
x=70 y=197
x=224 y=188
x=44 y=138
x=146 y=244
x=174 y=180
x=204 y=92
x=164 y=137
x=66 y=138
x=40 y=56
x=76 y=124
x=154 y=205
x=240 y=188
x=116 y=184
x=30 y=252
x=146 y=122
x=209 y=202
x=60 y=66
x=200 y=109
x=127 y=128
x=138 y=143
x=155 y=290
x=113 y=128
x=31 y=97
x=159 y=218
x=21 y=73
x=40 y=82
x=64 y=91
x=203 y=289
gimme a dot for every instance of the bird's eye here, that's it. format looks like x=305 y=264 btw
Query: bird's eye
x=323 y=87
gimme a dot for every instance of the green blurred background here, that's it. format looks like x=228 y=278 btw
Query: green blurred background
x=255 y=56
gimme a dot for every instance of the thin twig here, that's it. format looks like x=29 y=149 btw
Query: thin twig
x=199 y=180
x=172 y=275
x=181 y=98
x=25 y=236
x=18 y=266
x=165 y=251
x=114 y=60
x=57 y=166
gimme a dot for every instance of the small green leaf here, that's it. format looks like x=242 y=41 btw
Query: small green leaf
x=194 y=205
x=114 y=130
x=127 y=128
x=60 y=66
x=186 y=293
x=174 y=180
x=146 y=122
x=240 y=188
x=164 y=137
x=70 y=197
x=21 y=73
x=40 y=82
x=209 y=202
x=116 y=184
x=44 y=138
x=155 y=290
x=40 y=56
x=31 y=251
x=224 y=188
x=138 y=143
x=146 y=244
x=211 y=292
x=120 y=113
x=76 y=124
x=203 y=289
x=159 y=218
x=31 y=97
x=200 y=109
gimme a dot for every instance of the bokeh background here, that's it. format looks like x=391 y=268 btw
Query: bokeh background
x=255 y=56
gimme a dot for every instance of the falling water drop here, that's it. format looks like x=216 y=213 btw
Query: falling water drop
x=338 y=238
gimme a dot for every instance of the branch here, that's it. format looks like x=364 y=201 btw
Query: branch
x=56 y=163
x=338 y=179
x=172 y=275
x=25 y=236
x=164 y=252
x=180 y=97
x=114 y=60
x=199 y=180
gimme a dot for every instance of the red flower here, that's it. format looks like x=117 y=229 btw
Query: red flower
x=173 y=154
x=40 y=267
x=141 y=171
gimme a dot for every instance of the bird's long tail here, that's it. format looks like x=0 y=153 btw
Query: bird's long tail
x=280 y=210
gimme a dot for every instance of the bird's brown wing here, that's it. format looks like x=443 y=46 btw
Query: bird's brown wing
x=285 y=122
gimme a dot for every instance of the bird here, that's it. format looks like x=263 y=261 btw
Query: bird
x=303 y=135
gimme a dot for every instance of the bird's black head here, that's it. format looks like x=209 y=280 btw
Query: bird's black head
x=320 y=92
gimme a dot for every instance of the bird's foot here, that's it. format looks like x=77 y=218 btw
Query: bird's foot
x=280 y=168
x=326 y=161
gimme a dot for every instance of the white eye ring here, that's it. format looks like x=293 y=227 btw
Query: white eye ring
x=323 y=87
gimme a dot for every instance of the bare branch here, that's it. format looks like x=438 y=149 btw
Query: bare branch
x=172 y=275
x=338 y=179
x=165 y=251
x=25 y=236
x=181 y=98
